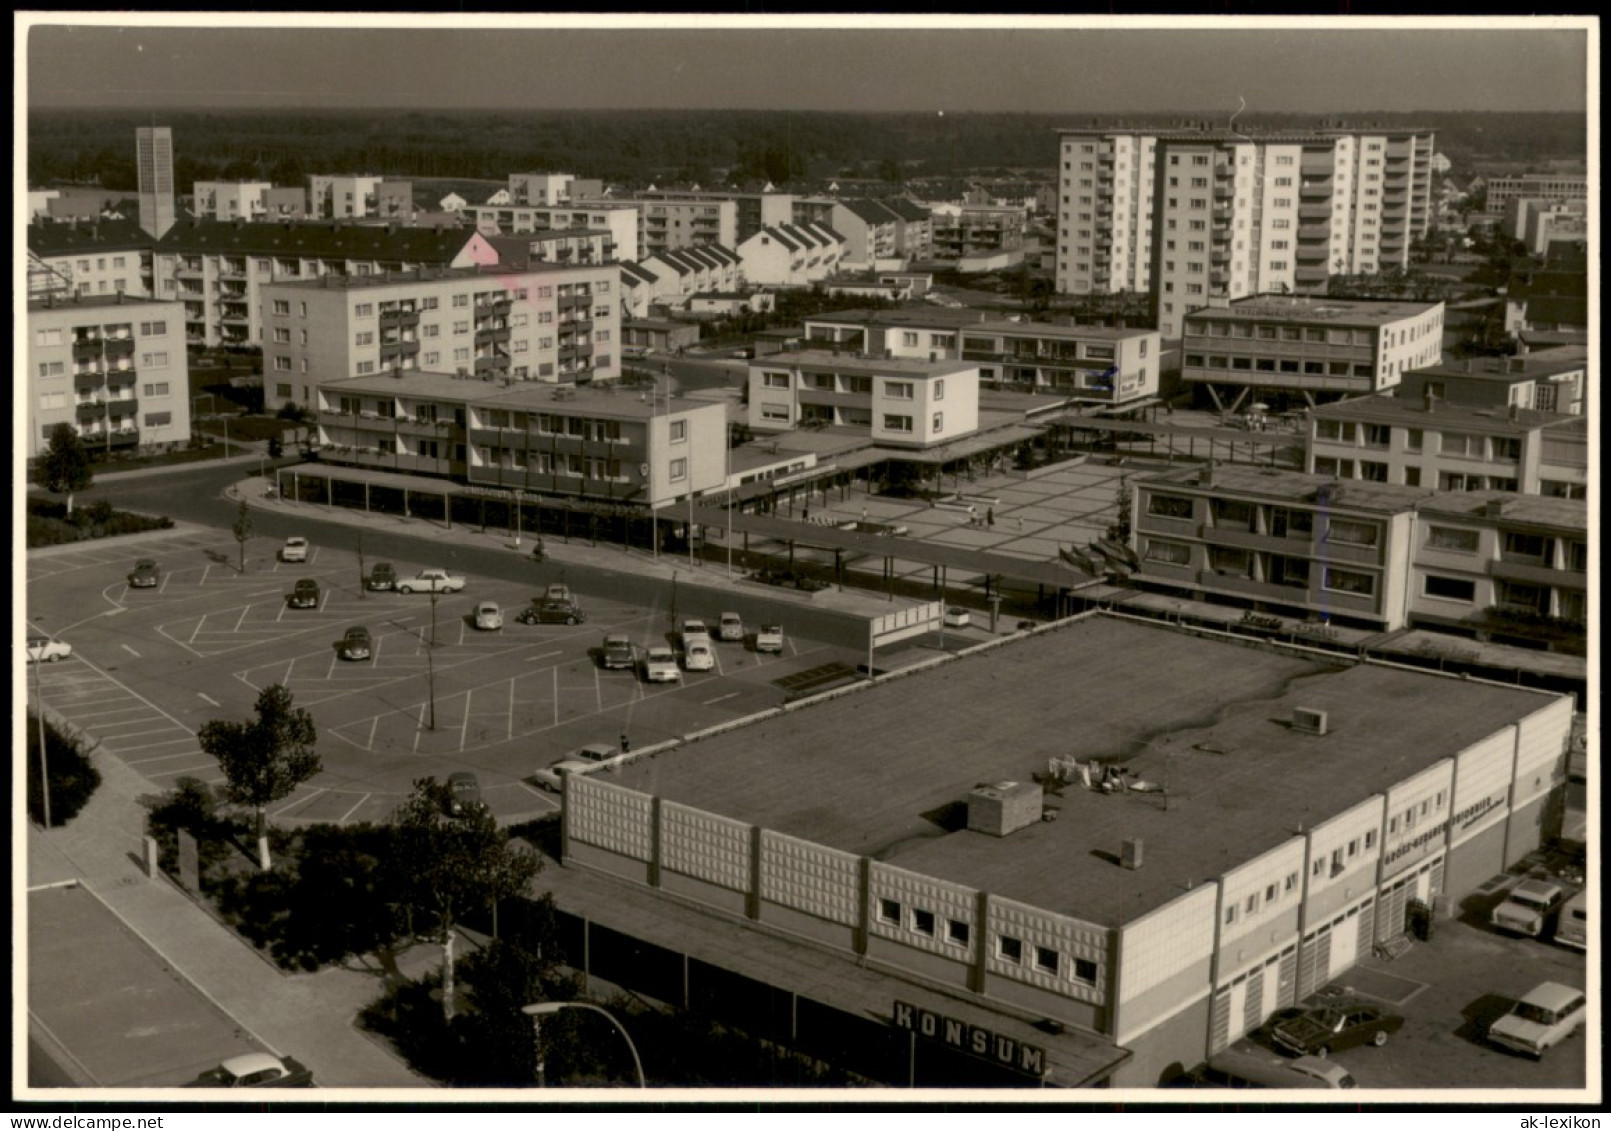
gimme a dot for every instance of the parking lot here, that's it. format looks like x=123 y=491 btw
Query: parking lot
x=151 y=666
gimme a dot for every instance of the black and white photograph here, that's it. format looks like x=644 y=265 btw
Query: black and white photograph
x=570 y=560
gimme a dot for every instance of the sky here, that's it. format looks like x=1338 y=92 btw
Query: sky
x=772 y=64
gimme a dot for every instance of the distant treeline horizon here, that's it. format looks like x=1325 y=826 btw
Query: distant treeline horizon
x=284 y=145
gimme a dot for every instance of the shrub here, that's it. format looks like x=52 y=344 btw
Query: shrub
x=73 y=777
x=191 y=806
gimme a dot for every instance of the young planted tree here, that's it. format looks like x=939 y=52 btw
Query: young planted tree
x=65 y=466
x=264 y=759
x=448 y=865
x=242 y=529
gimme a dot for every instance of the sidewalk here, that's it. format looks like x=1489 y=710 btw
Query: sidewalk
x=309 y=1016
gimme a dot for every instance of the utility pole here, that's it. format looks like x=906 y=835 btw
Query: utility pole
x=39 y=715
x=363 y=577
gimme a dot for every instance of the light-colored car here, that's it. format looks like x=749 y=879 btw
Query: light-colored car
x=42 y=649
x=431 y=581
x=1573 y=928
x=551 y=777
x=956 y=617
x=356 y=645
x=1528 y=907
x=692 y=629
x=732 y=627
x=660 y=665
x=145 y=575
x=618 y=652
x=1545 y=1015
x=488 y=616
x=256 y=1070
x=698 y=656
x=294 y=550
x=769 y=638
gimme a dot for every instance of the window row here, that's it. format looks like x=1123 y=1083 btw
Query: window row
x=1008 y=948
x=1278 y=365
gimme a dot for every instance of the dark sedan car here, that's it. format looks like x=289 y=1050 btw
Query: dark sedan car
x=544 y=611
x=256 y=1070
x=464 y=793
x=145 y=575
x=1339 y=1025
x=305 y=595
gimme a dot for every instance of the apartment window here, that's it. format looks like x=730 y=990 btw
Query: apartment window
x=364 y=338
x=775 y=380
x=1085 y=971
x=149 y=328
x=1169 y=553
x=889 y=911
x=1230 y=914
x=1290 y=883
x=365 y=367
x=939 y=389
x=679 y=431
x=158 y=419
x=956 y=931
x=282 y=306
x=679 y=469
x=461 y=300
x=1450 y=538
x=894 y=423
x=462 y=354
x=461 y=327
x=1413 y=439
x=1350 y=581
x=1506 y=448
x=1353 y=533
x=1370 y=839
x=364 y=310
x=923 y=922
x=283 y=364
x=1461 y=444
x=52 y=368
x=1519 y=545
x=433 y=358
x=775 y=412
x=1009 y=949
x=282 y=391
x=155 y=389
x=1046 y=960
x=898 y=390
x=1169 y=506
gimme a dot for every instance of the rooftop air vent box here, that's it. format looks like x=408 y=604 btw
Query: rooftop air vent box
x=1003 y=808
x=1309 y=721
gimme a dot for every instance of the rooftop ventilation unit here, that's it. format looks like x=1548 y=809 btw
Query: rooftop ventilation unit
x=1310 y=721
x=1003 y=808
x=1130 y=854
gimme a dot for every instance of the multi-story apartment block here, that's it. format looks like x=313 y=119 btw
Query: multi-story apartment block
x=551 y=324
x=560 y=442
x=620 y=220
x=1452 y=447
x=792 y=255
x=1291 y=347
x=89 y=257
x=230 y=200
x=1278 y=538
x=286 y=202
x=903 y=403
x=1193 y=215
x=752 y=211
x=1091 y=364
x=113 y=367
x=1552 y=296
x=569 y=248
x=217 y=270
x=342 y=196
x=668 y=223
x=962 y=230
x=1500 y=564
x=1541 y=186
x=540 y=188
x=153 y=164
x=1548 y=380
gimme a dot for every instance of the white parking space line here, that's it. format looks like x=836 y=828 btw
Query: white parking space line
x=131 y=651
x=81 y=715
x=544 y=656
x=163 y=588
x=241 y=619
x=509 y=726
x=191 y=753
x=141 y=698
x=205 y=570
x=209 y=698
x=191 y=742
x=719 y=698
x=375 y=722
x=555 y=670
x=106 y=735
x=342 y=820
x=213 y=779
x=419 y=727
x=334 y=657
x=464 y=727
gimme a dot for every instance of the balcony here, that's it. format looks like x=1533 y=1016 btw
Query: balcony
x=1346 y=552
x=87 y=347
x=491 y=364
x=399 y=319
x=1311 y=274
x=1245 y=539
x=234 y=316
x=491 y=334
x=189 y=271
x=1319 y=211
x=1533 y=574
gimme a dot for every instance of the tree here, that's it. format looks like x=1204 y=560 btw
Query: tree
x=242 y=529
x=265 y=759
x=66 y=464
x=449 y=865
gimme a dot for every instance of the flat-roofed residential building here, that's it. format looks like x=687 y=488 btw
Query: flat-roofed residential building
x=1306 y=349
x=114 y=367
x=666 y=223
x=1199 y=213
x=551 y=324
x=1546 y=380
x=620 y=220
x=1306 y=544
x=342 y=196
x=556 y=442
x=887 y=912
x=218 y=270
x=1503 y=567
x=540 y=188
x=576 y=247
x=752 y=211
x=1542 y=186
x=1091 y=364
x=230 y=200
x=904 y=403
x=89 y=258
x=1449 y=447
x=977 y=229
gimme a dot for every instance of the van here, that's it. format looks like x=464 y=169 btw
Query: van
x=1232 y=1069
x=1573 y=928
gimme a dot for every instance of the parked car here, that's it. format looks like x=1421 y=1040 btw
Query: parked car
x=305 y=595
x=618 y=652
x=1338 y=1025
x=769 y=638
x=1234 y=1069
x=692 y=629
x=42 y=649
x=543 y=611
x=294 y=550
x=956 y=617
x=1545 y=1015
x=1528 y=907
x=356 y=645
x=431 y=581
x=463 y=793
x=698 y=656
x=551 y=777
x=1573 y=928
x=660 y=665
x=256 y=1070
x=488 y=617
x=382 y=578
x=732 y=627
x=145 y=575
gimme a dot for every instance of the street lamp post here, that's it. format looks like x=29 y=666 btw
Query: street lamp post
x=430 y=669
x=226 y=437
x=433 y=616
x=517 y=518
x=363 y=578
x=549 y=1008
x=38 y=655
